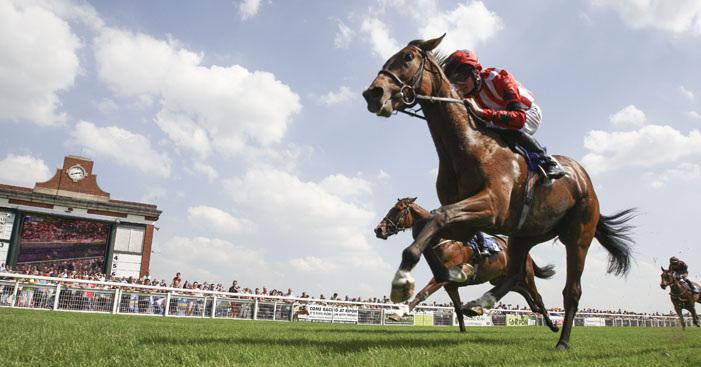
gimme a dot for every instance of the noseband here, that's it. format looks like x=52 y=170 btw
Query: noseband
x=394 y=228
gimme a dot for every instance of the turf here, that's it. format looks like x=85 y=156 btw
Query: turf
x=45 y=338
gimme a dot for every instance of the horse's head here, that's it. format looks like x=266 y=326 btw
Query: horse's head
x=398 y=218
x=402 y=78
x=666 y=278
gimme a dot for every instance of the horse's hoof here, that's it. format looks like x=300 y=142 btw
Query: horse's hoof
x=472 y=310
x=554 y=329
x=562 y=345
x=401 y=293
x=458 y=275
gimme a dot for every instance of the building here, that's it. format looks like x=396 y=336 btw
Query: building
x=69 y=222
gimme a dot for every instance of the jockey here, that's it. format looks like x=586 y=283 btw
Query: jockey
x=680 y=271
x=482 y=251
x=498 y=99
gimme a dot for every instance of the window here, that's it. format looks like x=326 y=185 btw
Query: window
x=129 y=239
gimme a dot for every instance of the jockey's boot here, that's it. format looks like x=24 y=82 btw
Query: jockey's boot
x=482 y=251
x=549 y=165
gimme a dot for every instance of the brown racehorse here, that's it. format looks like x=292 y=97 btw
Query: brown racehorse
x=407 y=214
x=682 y=297
x=481 y=185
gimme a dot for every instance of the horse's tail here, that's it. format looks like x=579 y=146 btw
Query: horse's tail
x=613 y=233
x=545 y=272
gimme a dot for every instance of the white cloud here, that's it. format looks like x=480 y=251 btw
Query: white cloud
x=201 y=168
x=683 y=172
x=629 y=116
x=218 y=220
x=679 y=17
x=122 y=146
x=232 y=107
x=23 y=170
x=322 y=219
x=311 y=264
x=383 y=44
x=687 y=93
x=30 y=35
x=184 y=132
x=649 y=145
x=694 y=115
x=344 y=35
x=346 y=187
x=344 y=94
x=467 y=26
x=249 y=8
x=212 y=260
x=316 y=219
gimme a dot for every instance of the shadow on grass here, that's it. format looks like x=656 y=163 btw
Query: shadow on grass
x=344 y=346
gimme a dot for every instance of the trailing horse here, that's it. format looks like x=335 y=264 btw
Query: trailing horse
x=682 y=297
x=407 y=214
x=482 y=186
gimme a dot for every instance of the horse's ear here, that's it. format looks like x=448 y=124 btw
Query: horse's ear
x=429 y=45
x=413 y=199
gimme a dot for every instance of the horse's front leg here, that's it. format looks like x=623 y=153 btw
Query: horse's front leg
x=403 y=283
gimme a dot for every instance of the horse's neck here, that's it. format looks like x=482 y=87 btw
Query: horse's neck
x=420 y=215
x=452 y=129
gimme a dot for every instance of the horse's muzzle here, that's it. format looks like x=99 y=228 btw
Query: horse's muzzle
x=380 y=233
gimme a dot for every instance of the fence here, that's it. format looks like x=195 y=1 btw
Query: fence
x=58 y=294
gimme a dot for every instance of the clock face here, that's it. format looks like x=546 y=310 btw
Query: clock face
x=76 y=173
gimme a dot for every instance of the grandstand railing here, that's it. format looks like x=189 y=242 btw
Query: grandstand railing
x=60 y=294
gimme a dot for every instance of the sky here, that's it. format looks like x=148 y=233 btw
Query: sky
x=244 y=122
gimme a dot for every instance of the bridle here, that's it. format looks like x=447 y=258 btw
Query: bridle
x=394 y=228
x=410 y=98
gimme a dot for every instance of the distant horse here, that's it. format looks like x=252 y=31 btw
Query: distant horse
x=682 y=297
x=407 y=214
x=482 y=185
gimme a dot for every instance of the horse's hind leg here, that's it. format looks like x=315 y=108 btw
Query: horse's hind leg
x=454 y=295
x=530 y=287
x=577 y=237
x=692 y=309
x=517 y=253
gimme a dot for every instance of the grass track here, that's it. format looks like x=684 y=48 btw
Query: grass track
x=43 y=338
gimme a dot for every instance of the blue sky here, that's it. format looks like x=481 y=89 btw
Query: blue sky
x=243 y=122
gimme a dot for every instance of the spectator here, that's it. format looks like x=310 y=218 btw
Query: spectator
x=177 y=280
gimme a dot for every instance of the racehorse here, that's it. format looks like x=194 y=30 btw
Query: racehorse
x=481 y=186
x=682 y=297
x=407 y=214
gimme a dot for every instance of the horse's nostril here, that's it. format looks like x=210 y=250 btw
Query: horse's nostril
x=373 y=94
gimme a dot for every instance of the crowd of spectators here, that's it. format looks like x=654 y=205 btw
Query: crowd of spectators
x=39 y=229
x=91 y=273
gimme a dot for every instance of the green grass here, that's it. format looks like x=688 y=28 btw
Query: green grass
x=44 y=338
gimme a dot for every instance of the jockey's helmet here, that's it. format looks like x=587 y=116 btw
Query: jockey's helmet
x=460 y=64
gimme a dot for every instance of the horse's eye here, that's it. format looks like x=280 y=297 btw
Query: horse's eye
x=408 y=56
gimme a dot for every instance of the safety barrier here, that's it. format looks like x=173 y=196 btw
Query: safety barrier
x=59 y=294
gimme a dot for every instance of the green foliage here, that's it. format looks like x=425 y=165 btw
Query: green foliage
x=42 y=338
